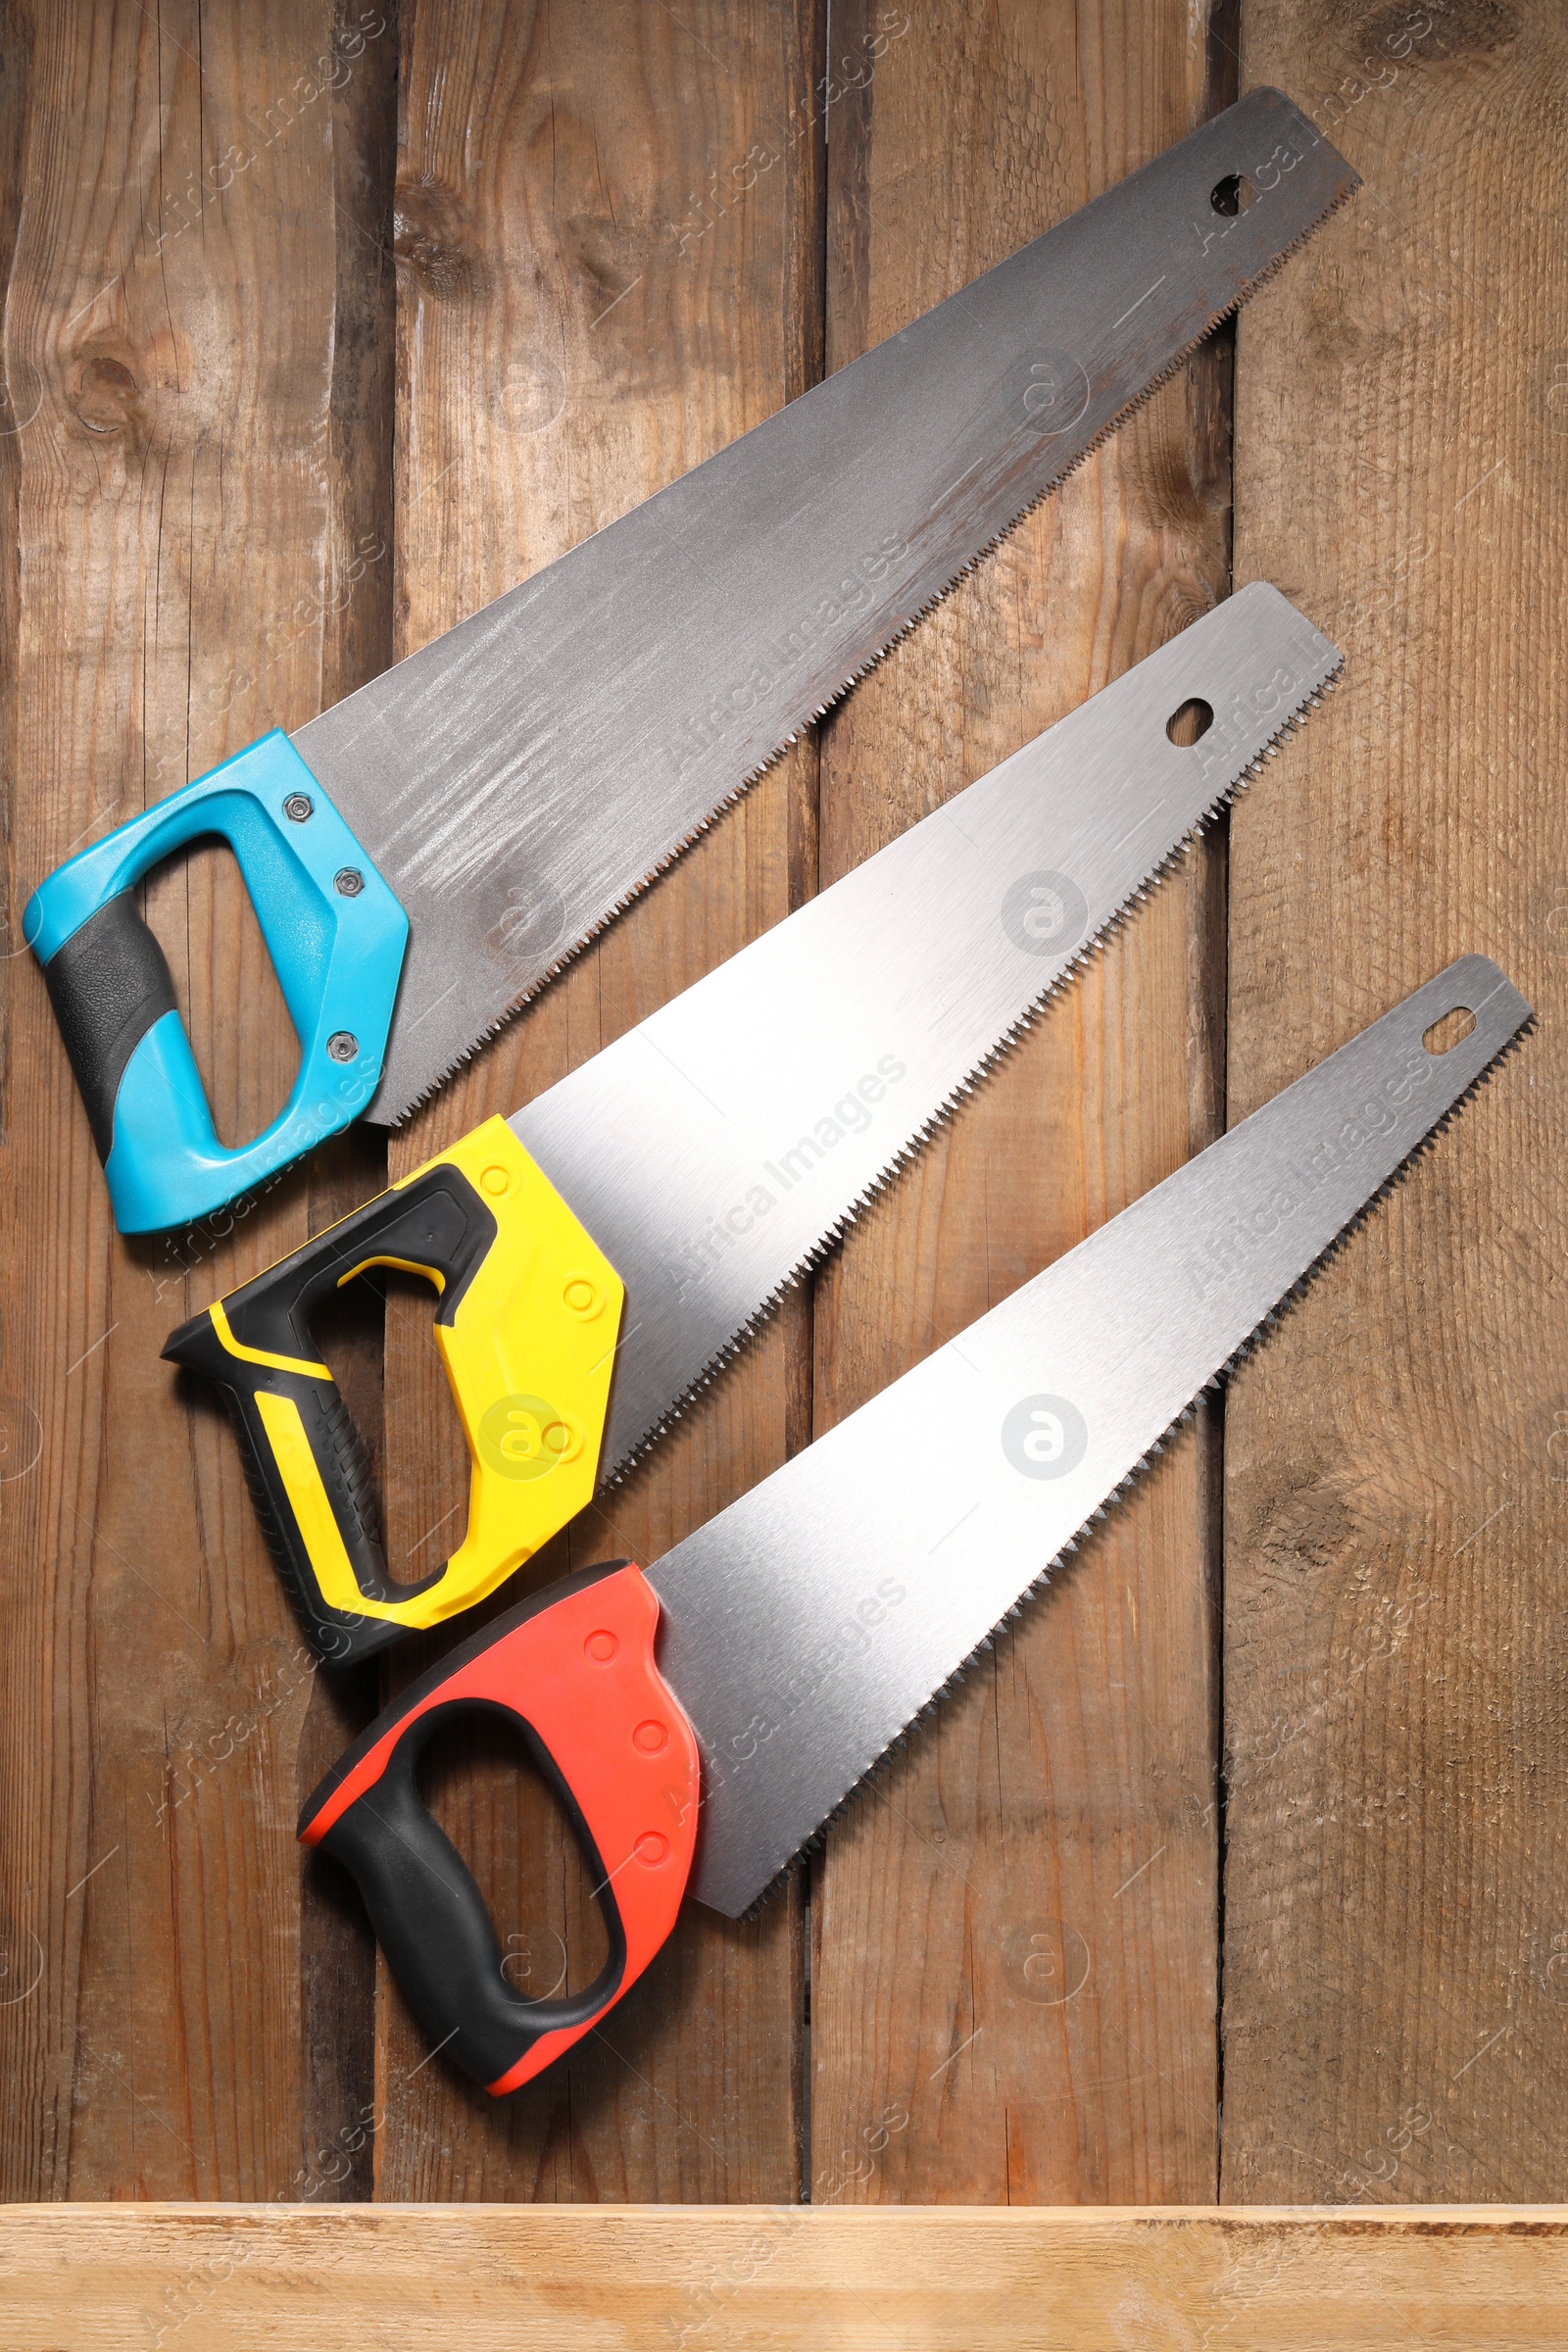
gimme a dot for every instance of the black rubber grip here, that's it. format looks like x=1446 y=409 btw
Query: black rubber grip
x=440 y=1223
x=429 y=1917
x=109 y=982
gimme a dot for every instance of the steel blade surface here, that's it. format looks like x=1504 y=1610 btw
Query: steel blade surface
x=522 y=776
x=715 y=1149
x=808 y=1625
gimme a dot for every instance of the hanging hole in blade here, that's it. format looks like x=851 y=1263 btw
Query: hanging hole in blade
x=1191 y=722
x=1231 y=195
x=1452 y=1030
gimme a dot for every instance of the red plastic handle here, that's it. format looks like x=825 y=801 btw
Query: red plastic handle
x=574 y=1669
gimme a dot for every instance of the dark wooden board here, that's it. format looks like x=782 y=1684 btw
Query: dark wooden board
x=190 y=465
x=1396 y=1909
x=582 y=318
x=1014 y=1989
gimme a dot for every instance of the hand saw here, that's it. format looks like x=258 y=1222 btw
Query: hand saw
x=801 y=1632
x=473 y=817
x=693 y=1170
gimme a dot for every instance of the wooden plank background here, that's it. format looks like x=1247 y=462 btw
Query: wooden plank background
x=323 y=324
x=1397 y=1917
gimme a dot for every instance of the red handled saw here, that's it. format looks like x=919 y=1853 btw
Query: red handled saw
x=700 y=1721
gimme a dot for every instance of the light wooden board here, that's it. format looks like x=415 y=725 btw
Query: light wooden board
x=1397 y=1904
x=645 y=2279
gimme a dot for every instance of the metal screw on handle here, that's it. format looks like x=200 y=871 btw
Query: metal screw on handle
x=348 y=882
x=298 y=807
x=343 y=1044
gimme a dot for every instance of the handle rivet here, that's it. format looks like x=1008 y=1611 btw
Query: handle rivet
x=581 y=1297
x=493 y=1181
x=297 y=808
x=601 y=1647
x=652 y=1847
x=348 y=882
x=342 y=1045
x=651 y=1736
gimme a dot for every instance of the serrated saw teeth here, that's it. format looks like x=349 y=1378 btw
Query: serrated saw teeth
x=1103 y=1356
x=500 y=795
x=1263 y=116
x=1105 y=1511
x=988 y=1061
x=964 y=570
x=768 y=1105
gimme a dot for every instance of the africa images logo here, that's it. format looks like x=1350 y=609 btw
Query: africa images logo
x=525 y=1438
x=1054 y=392
x=530 y=929
x=1045 y=913
x=1044 y=1436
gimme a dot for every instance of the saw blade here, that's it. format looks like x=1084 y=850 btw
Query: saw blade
x=717 y=1149
x=520 y=778
x=810 y=1624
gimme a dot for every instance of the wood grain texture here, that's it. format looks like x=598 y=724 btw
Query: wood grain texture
x=592 y=301
x=1396 y=1911
x=1013 y=1974
x=776 y=2279
x=173 y=551
x=1014 y=1964
x=337 y=1947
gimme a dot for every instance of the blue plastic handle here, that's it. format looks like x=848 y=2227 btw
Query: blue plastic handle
x=335 y=933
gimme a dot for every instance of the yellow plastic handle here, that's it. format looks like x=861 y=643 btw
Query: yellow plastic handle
x=527 y=1325
x=528 y=1354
